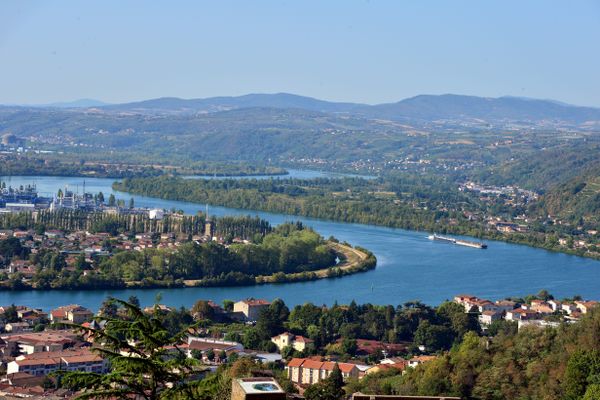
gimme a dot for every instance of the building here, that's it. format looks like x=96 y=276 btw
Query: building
x=205 y=344
x=520 y=314
x=299 y=343
x=585 y=306
x=36 y=342
x=487 y=317
x=306 y=371
x=73 y=313
x=209 y=229
x=15 y=327
x=387 y=364
x=555 y=305
x=418 y=360
x=251 y=308
x=568 y=308
x=43 y=363
x=474 y=303
x=541 y=307
x=256 y=388
x=156 y=213
x=505 y=305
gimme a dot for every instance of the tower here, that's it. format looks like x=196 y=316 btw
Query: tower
x=209 y=226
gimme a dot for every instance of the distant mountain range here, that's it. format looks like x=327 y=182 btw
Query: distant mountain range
x=80 y=103
x=422 y=108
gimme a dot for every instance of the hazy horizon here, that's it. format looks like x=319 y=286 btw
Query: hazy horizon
x=105 y=103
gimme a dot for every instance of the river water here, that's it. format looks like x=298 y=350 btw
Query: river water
x=409 y=265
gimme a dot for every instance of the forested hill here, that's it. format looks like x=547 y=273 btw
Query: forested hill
x=576 y=199
x=423 y=107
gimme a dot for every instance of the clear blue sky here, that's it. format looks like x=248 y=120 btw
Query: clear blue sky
x=362 y=51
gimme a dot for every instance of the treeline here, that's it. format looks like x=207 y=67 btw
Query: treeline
x=428 y=203
x=320 y=198
x=244 y=227
x=29 y=166
x=50 y=166
x=533 y=363
x=290 y=248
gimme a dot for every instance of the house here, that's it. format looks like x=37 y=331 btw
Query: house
x=418 y=360
x=569 y=308
x=73 y=313
x=585 y=306
x=541 y=307
x=307 y=371
x=555 y=305
x=520 y=314
x=23 y=379
x=400 y=366
x=203 y=345
x=466 y=300
x=299 y=343
x=366 y=347
x=474 y=304
x=15 y=327
x=35 y=342
x=482 y=305
x=392 y=360
x=43 y=363
x=505 y=305
x=54 y=234
x=251 y=308
x=487 y=317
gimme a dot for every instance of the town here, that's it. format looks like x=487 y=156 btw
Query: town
x=36 y=344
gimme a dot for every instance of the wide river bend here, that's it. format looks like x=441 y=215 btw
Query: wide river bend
x=409 y=265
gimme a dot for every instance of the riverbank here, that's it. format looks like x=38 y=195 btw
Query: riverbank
x=352 y=260
x=409 y=266
x=341 y=206
x=42 y=167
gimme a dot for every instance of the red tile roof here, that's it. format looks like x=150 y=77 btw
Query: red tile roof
x=296 y=362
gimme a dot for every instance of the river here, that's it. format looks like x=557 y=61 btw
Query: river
x=409 y=265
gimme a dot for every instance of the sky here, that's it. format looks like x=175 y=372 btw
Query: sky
x=358 y=51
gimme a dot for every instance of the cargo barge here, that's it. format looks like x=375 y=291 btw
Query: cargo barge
x=460 y=242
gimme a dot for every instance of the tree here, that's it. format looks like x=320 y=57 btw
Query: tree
x=228 y=305
x=330 y=388
x=349 y=346
x=433 y=337
x=592 y=392
x=133 y=299
x=210 y=354
x=112 y=201
x=270 y=321
x=12 y=247
x=197 y=354
x=80 y=262
x=141 y=363
x=108 y=309
x=202 y=310
x=10 y=314
x=131 y=202
x=583 y=367
x=100 y=197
